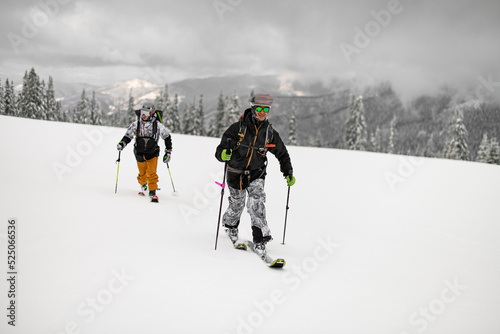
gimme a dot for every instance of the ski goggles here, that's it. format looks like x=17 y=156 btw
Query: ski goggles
x=262 y=109
x=146 y=112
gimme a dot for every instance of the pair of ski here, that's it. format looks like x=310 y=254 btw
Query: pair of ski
x=269 y=261
x=154 y=199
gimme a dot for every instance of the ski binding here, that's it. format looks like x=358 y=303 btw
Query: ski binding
x=269 y=261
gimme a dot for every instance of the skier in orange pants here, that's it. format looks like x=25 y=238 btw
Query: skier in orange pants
x=147 y=130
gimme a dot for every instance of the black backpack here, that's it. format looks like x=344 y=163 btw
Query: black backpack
x=148 y=145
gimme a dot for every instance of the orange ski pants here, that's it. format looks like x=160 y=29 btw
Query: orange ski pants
x=147 y=173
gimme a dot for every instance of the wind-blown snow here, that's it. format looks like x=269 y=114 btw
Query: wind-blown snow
x=374 y=243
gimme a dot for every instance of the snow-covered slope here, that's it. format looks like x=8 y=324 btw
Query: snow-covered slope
x=374 y=243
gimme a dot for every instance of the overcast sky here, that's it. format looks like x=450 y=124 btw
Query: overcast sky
x=420 y=45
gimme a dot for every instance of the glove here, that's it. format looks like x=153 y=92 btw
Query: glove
x=121 y=145
x=226 y=156
x=167 y=156
x=290 y=180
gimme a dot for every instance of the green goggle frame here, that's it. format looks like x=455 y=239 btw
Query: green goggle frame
x=262 y=109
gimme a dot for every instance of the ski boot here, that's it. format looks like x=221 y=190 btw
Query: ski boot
x=260 y=249
x=144 y=187
x=232 y=232
x=152 y=195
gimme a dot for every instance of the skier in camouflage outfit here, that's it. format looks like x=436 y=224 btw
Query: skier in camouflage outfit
x=147 y=130
x=243 y=147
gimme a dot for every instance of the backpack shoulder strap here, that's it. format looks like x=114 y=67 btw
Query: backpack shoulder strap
x=138 y=123
x=155 y=129
x=269 y=134
x=242 y=131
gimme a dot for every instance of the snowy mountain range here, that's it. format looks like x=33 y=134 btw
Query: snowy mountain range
x=187 y=90
x=321 y=109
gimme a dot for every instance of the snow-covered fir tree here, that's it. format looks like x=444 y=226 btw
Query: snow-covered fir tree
x=31 y=99
x=217 y=125
x=292 y=133
x=44 y=108
x=20 y=100
x=457 y=147
x=95 y=111
x=199 y=120
x=494 y=157
x=372 y=144
x=36 y=105
x=10 y=100
x=193 y=120
x=2 y=101
x=392 y=136
x=159 y=101
x=162 y=100
x=82 y=111
x=50 y=101
x=233 y=110
x=483 y=153
x=355 y=135
x=375 y=141
x=318 y=141
x=164 y=105
x=176 y=120
x=61 y=116
x=429 y=148
x=131 y=116
x=189 y=119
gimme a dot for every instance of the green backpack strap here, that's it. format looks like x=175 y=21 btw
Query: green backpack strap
x=158 y=114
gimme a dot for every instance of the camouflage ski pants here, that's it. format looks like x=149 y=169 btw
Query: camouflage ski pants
x=256 y=207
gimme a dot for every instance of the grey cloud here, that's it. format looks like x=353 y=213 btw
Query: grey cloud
x=430 y=39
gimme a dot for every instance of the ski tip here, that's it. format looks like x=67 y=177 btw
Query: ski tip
x=241 y=246
x=154 y=199
x=278 y=263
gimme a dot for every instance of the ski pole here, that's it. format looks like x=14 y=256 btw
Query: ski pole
x=117 y=170
x=168 y=167
x=223 y=186
x=286 y=214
